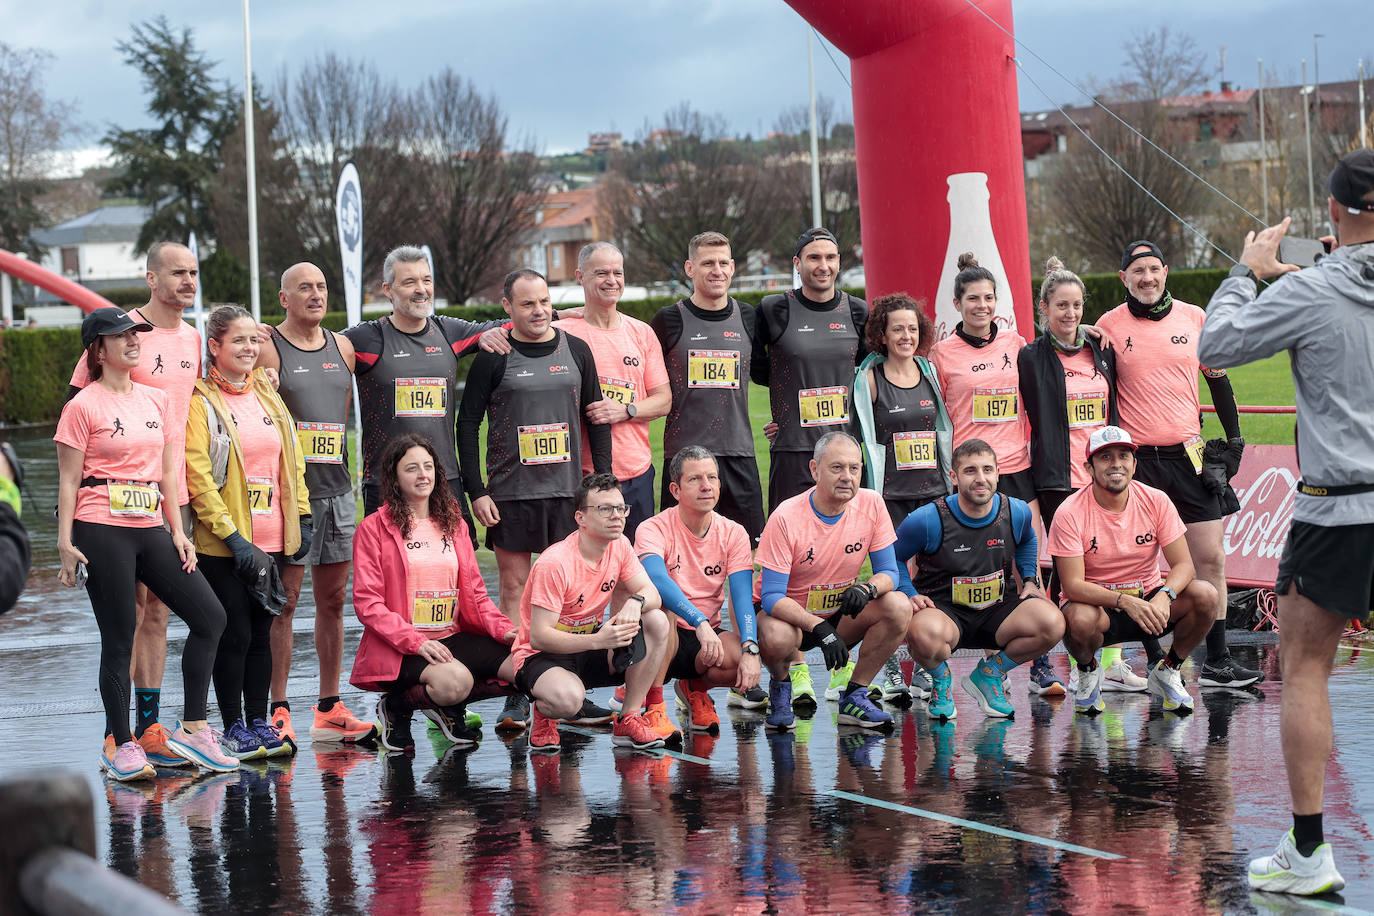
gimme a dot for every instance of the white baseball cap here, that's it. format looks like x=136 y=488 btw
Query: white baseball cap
x=1108 y=435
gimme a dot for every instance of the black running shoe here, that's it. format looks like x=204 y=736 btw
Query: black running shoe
x=590 y=714
x=450 y=720
x=1228 y=673
x=393 y=724
x=515 y=717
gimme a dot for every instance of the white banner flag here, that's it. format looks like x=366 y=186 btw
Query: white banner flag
x=198 y=310
x=348 y=211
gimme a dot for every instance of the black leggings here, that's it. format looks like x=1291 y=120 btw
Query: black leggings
x=118 y=558
x=243 y=667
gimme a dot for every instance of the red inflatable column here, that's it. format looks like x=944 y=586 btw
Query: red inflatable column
x=938 y=139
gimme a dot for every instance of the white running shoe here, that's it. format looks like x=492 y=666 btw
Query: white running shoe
x=1289 y=872
x=1120 y=678
x=1167 y=684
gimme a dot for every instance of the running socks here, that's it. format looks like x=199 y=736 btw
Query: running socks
x=147 y=698
x=1307 y=832
x=326 y=703
x=998 y=664
x=1154 y=653
x=281 y=704
x=1110 y=655
x=1216 y=642
x=1172 y=660
x=654 y=696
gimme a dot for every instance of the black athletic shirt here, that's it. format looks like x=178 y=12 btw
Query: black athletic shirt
x=711 y=411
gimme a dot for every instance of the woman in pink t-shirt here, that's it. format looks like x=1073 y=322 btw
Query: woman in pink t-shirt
x=431 y=634
x=117 y=487
x=256 y=513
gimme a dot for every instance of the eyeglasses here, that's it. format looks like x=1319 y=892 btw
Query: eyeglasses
x=622 y=510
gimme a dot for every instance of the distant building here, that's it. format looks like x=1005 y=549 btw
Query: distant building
x=566 y=221
x=95 y=249
x=604 y=142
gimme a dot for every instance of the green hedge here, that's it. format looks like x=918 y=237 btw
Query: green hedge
x=35 y=366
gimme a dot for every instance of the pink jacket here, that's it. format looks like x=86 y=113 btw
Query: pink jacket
x=379 y=600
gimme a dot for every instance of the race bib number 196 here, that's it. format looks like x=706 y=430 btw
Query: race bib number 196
x=1086 y=409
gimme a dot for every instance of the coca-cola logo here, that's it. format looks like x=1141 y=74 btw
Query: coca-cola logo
x=1260 y=528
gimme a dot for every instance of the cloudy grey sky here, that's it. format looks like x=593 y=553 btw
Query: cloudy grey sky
x=562 y=68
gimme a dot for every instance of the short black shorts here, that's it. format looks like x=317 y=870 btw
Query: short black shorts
x=899 y=507
x=1020 y=485
x=478 y=653
x=591 y=667
x=789 y=473
x=684 y=661
x=638 y=493
x=1168 y=468
x=531 y=525
x=1332 y=567
x=978 y=629
x=741 y=494
x=1121 y=628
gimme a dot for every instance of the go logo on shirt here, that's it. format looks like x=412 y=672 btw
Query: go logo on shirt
x=1144 y=538
x=608 y=585
x=856 y=547
x=712 y=570
x=1179 y=339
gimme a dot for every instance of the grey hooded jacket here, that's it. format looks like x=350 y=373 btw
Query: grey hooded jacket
x=1324 y=317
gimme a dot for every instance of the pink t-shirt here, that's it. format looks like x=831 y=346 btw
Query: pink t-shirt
x=122 y=436
x=822 y=560
x=699 y=566
x=1156 y=372
x=262 y=467
x=629 y=362
x=1085 y=401
x=561 y=580
x=431 y=579
x=1120 y=550
x=982 y=390
x=169 y=360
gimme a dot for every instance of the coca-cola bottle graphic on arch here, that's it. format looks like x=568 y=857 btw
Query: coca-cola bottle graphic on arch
x=970 y=229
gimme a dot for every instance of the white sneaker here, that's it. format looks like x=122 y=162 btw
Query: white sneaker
x=1289 y=872
x=1119 y=678
x=1167 y=684
x=839 y=683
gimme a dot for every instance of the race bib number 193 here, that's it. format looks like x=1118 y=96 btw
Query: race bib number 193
x=914 y=451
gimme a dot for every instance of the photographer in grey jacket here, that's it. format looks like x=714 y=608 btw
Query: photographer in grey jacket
x=1324 y=317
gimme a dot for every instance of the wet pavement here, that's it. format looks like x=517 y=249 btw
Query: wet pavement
x=1132 y=811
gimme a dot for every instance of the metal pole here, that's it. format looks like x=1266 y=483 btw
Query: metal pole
x=815 y=145
x=1264 y=149
x=1364 y=122
x=254 y=293
x=1307 y=129
x=1317 y=81
x=6 y=300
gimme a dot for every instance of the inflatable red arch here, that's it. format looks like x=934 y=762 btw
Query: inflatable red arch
x=58 y=285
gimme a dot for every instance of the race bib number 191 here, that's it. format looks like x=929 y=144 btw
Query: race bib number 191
x=824 y=406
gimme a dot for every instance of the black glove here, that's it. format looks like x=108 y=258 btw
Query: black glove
x=856 y=598
x=245 y=564
x=307 y=535
x=1220 y=462
x=836 y=652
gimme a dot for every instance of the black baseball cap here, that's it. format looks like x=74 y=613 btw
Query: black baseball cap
x=1352 y=180
x=1153 y=252
x=818 y=234
x=106 y=321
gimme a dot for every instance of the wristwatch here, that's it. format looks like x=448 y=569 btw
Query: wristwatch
x=1031 y=580
x=632 y=410
x=1240 y=270
x=749 y=648
x=639 y=598
x=1173 y=595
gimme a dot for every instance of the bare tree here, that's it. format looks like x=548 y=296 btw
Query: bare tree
x=1160 y=64
x=683 y=178
x=32 y=128
x=839 y=176
x=479 y=195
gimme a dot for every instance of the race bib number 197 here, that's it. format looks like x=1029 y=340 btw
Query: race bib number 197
x=994 y=405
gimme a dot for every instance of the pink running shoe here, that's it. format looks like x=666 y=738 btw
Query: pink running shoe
x=202 y=749
x=126 y=762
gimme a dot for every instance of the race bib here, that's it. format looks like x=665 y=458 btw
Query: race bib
x=1086 y=409
x=260 y=495
x=994 y=405
x=321 y=443
x=1194 y=447
x=578 y=624
x=823 y=406
x=546 y=444
x=420 y=397
x=914 y=451
x=617 y=389
x=823 y=600
x=978 y=592
x=712 y=368
x=434 y=608
x=132 y=499
x=1126 y=588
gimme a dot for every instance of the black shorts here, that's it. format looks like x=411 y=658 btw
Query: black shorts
x=372 y=501
x=1168 y=468
x=899 y=507
x=1121 y=628
x=741 y=494
x=1020 y=485
x=1050 y=501
x=531 y=525
x=592 y=668
x=789 y=473
x=978 y=628
x=480 y=654
x=684 y=662
x=638 y=493
x=1332 y=567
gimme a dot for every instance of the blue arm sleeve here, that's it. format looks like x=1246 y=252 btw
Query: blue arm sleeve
x=919 y=533
x=1027 y=550
x=673 y=598
x=774 y=587
x=742 y=603
x=884 y=561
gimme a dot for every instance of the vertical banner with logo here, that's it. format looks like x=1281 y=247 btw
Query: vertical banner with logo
x=199 y=308
x=348 y=213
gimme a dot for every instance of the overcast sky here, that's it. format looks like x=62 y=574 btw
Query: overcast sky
x=562 y=69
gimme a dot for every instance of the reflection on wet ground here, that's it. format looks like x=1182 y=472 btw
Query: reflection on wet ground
x=1131 y=811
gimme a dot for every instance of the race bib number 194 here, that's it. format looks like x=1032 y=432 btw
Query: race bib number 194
x=420 y=397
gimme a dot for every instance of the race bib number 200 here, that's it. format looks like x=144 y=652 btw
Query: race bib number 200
x=132 y=499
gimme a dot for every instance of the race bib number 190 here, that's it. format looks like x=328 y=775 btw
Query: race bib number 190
x=545 y=444
x=420 y=397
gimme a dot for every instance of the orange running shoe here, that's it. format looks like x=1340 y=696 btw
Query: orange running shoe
x=544 y=737
x=702 y=711
x=635 y=731
x=340 y=725
x=656 y=715
x=281 y=721
x=154 y=744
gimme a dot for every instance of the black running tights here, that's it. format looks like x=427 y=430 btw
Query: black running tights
x=243 y=667
x=118 y=558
